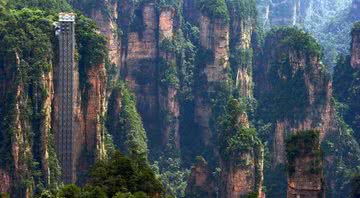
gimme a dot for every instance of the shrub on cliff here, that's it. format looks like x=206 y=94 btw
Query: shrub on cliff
x=233 y=136
x=304 y=143
x=214 y=9
x=126 y=127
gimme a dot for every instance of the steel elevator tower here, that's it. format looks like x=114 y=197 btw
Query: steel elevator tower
x=65 y=89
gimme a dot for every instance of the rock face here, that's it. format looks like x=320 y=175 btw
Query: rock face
x=133 y=44
x=135 y=52
x=89 y=131
x=244 y=178
x=105 y=14
x=15 y=98
x=304 y=165
x=90 y=144
x=242 y=27
x=108 y=27
x=355 y=46
x=168 y=96
x=139 y=68
x=214 y=38
x=290 y=71
x=201 y=182
x=241 y=159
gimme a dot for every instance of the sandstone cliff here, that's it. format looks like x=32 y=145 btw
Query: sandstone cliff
x=298 y=74
x=201 y=181
x=241 y=155
x=168 y=93
x=27 y=152
x=242 y=27
x=214 y=38
x=293 y=70
x=305 y=176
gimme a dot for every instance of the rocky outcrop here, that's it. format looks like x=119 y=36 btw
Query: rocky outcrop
x=168 y=96
x=139 y=67
x=243 y=174
x=305 y=177
x=214 y=38
x=241 y=155
x=201 y=182
x=355 y=46
x=105 y=14
x=296 y=86
x=22 y=130
x=21 y=147
x=90 y=137
x=45 y=126
x=95 y=111
x=295 y=72
x=242 y=27
x=107 y=23
x=133 y=43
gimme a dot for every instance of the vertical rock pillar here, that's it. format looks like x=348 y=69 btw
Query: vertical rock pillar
x=305 y=177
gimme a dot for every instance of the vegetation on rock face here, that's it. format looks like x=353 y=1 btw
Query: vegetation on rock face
x=92 y=50
x=289 y=57
x=234 y=137
x=28 y=52
x=346 y=94
x=304 y=144
x=295 y=39
x=347 y=90
x=126 y=127
x=26 y=57
x=288 y=97
x=243 y=9
x=346 y=148
x=214 y=9
x=343 y=79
